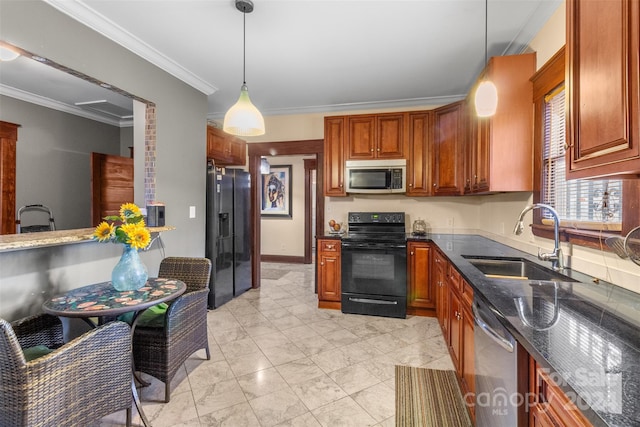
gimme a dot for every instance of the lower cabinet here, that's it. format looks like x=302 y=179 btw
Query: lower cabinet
x=328 y=262
x=455 y=297
x=421 y=297
x=548 y=404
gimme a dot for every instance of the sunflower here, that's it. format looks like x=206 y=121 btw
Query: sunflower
x=129 y=210
x=104 y=232
x=137 y=235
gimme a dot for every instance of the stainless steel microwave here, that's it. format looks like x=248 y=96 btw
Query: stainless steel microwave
x=376 y=176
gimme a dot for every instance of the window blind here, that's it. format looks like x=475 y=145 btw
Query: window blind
x=581 y=203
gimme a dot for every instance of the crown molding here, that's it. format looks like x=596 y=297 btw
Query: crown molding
x=84 y=14
x=60 y=106
x=376 y=105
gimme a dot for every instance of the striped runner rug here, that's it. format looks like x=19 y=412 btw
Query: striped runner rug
x=429 y=397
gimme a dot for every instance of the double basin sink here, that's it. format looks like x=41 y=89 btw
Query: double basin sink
x=515 y=269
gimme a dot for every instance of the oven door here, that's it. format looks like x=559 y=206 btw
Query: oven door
x=374 y=278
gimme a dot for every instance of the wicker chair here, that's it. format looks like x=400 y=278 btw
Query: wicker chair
x=74 y=385
x=159 y=352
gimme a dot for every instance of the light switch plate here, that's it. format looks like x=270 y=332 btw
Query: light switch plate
x=192 y=211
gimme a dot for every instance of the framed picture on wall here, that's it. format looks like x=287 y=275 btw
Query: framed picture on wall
x=276 y=192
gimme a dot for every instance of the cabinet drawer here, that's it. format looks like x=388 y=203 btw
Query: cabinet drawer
x=330 y=246
x=455 y=280
x=467 y=292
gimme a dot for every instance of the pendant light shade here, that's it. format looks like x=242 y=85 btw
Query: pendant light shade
x=243 y=118
x=486 y=97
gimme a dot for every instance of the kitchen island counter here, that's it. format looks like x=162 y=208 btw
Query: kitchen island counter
x=587 y=333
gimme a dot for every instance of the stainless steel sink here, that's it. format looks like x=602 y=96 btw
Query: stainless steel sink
x=515 y=268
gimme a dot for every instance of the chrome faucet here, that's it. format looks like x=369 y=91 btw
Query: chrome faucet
x=557 y=262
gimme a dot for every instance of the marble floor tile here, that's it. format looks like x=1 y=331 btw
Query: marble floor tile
x=318 y=392
x=277 y=407
x=278 y=360
x=343 y=413
x=378 y=400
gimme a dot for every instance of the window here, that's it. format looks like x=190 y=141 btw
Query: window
x=589 y=210
x=580 y=203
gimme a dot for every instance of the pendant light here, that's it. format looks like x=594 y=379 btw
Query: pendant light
x=243 y=118
x=486 y=98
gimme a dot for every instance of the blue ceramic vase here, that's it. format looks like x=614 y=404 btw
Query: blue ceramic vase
x=130 y=273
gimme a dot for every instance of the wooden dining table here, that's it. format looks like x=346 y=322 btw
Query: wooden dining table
x=103 y=302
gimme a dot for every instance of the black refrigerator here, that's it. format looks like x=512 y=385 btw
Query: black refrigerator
x=228 y=229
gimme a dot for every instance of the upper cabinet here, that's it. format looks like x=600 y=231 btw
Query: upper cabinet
x=602 y=81
x=379 y=136
x=334 y=148
x=499 y=155
x=225 y=149
x=447 y=155
x=420 y=135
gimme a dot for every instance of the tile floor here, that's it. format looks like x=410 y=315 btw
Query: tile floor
x=278 y=360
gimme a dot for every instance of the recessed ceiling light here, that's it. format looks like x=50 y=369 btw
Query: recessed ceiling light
x=7 y=54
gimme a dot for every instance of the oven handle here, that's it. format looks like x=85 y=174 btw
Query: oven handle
x=372 y=301
x=374 y=245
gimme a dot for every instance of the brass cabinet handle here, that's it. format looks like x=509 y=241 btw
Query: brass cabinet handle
x=411 y=253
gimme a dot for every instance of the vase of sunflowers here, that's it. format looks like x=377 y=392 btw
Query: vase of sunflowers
x=129 y=229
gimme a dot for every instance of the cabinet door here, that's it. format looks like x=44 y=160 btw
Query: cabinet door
x=238 y=152
x=448 y=150
x=603 y=87
x=218 y=145
x=420 y=293
x=329 y=277
x=361 y=137
x=418 y=157
x=482 y=152
x=442 y=291
x=468 y=357
x=390 y=138
x=455 y=330
x=334 y=140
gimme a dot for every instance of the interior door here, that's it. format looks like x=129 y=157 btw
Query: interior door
x=111 y=185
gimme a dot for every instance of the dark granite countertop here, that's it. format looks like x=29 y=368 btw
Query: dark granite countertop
x=589 y=339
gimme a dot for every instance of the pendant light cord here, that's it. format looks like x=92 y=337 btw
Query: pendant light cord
x=486 y=19
x=244 y=47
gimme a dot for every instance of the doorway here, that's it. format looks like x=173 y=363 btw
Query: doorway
x=256 y=150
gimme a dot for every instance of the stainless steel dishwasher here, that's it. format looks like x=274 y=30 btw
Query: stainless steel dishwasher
x=496 y=363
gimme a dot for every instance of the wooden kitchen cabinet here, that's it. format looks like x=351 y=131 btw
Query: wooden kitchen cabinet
x=439 y=278
x=334 y=148
x=603 y=88
x=499 y=155
x=456 y=319
x=225 y=149
x=448 y=150
x=329 y=273
x=548 y=404
x=376 y=136
x=421 y=298
x=420 y=135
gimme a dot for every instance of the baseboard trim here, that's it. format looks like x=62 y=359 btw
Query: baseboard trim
x=282 y=259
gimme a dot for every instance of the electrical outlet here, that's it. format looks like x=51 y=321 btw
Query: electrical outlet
x=450 y=222
x=502 y=228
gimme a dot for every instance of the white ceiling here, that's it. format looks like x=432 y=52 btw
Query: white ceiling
x=318 y=55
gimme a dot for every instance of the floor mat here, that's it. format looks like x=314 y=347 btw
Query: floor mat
x=429 y=397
